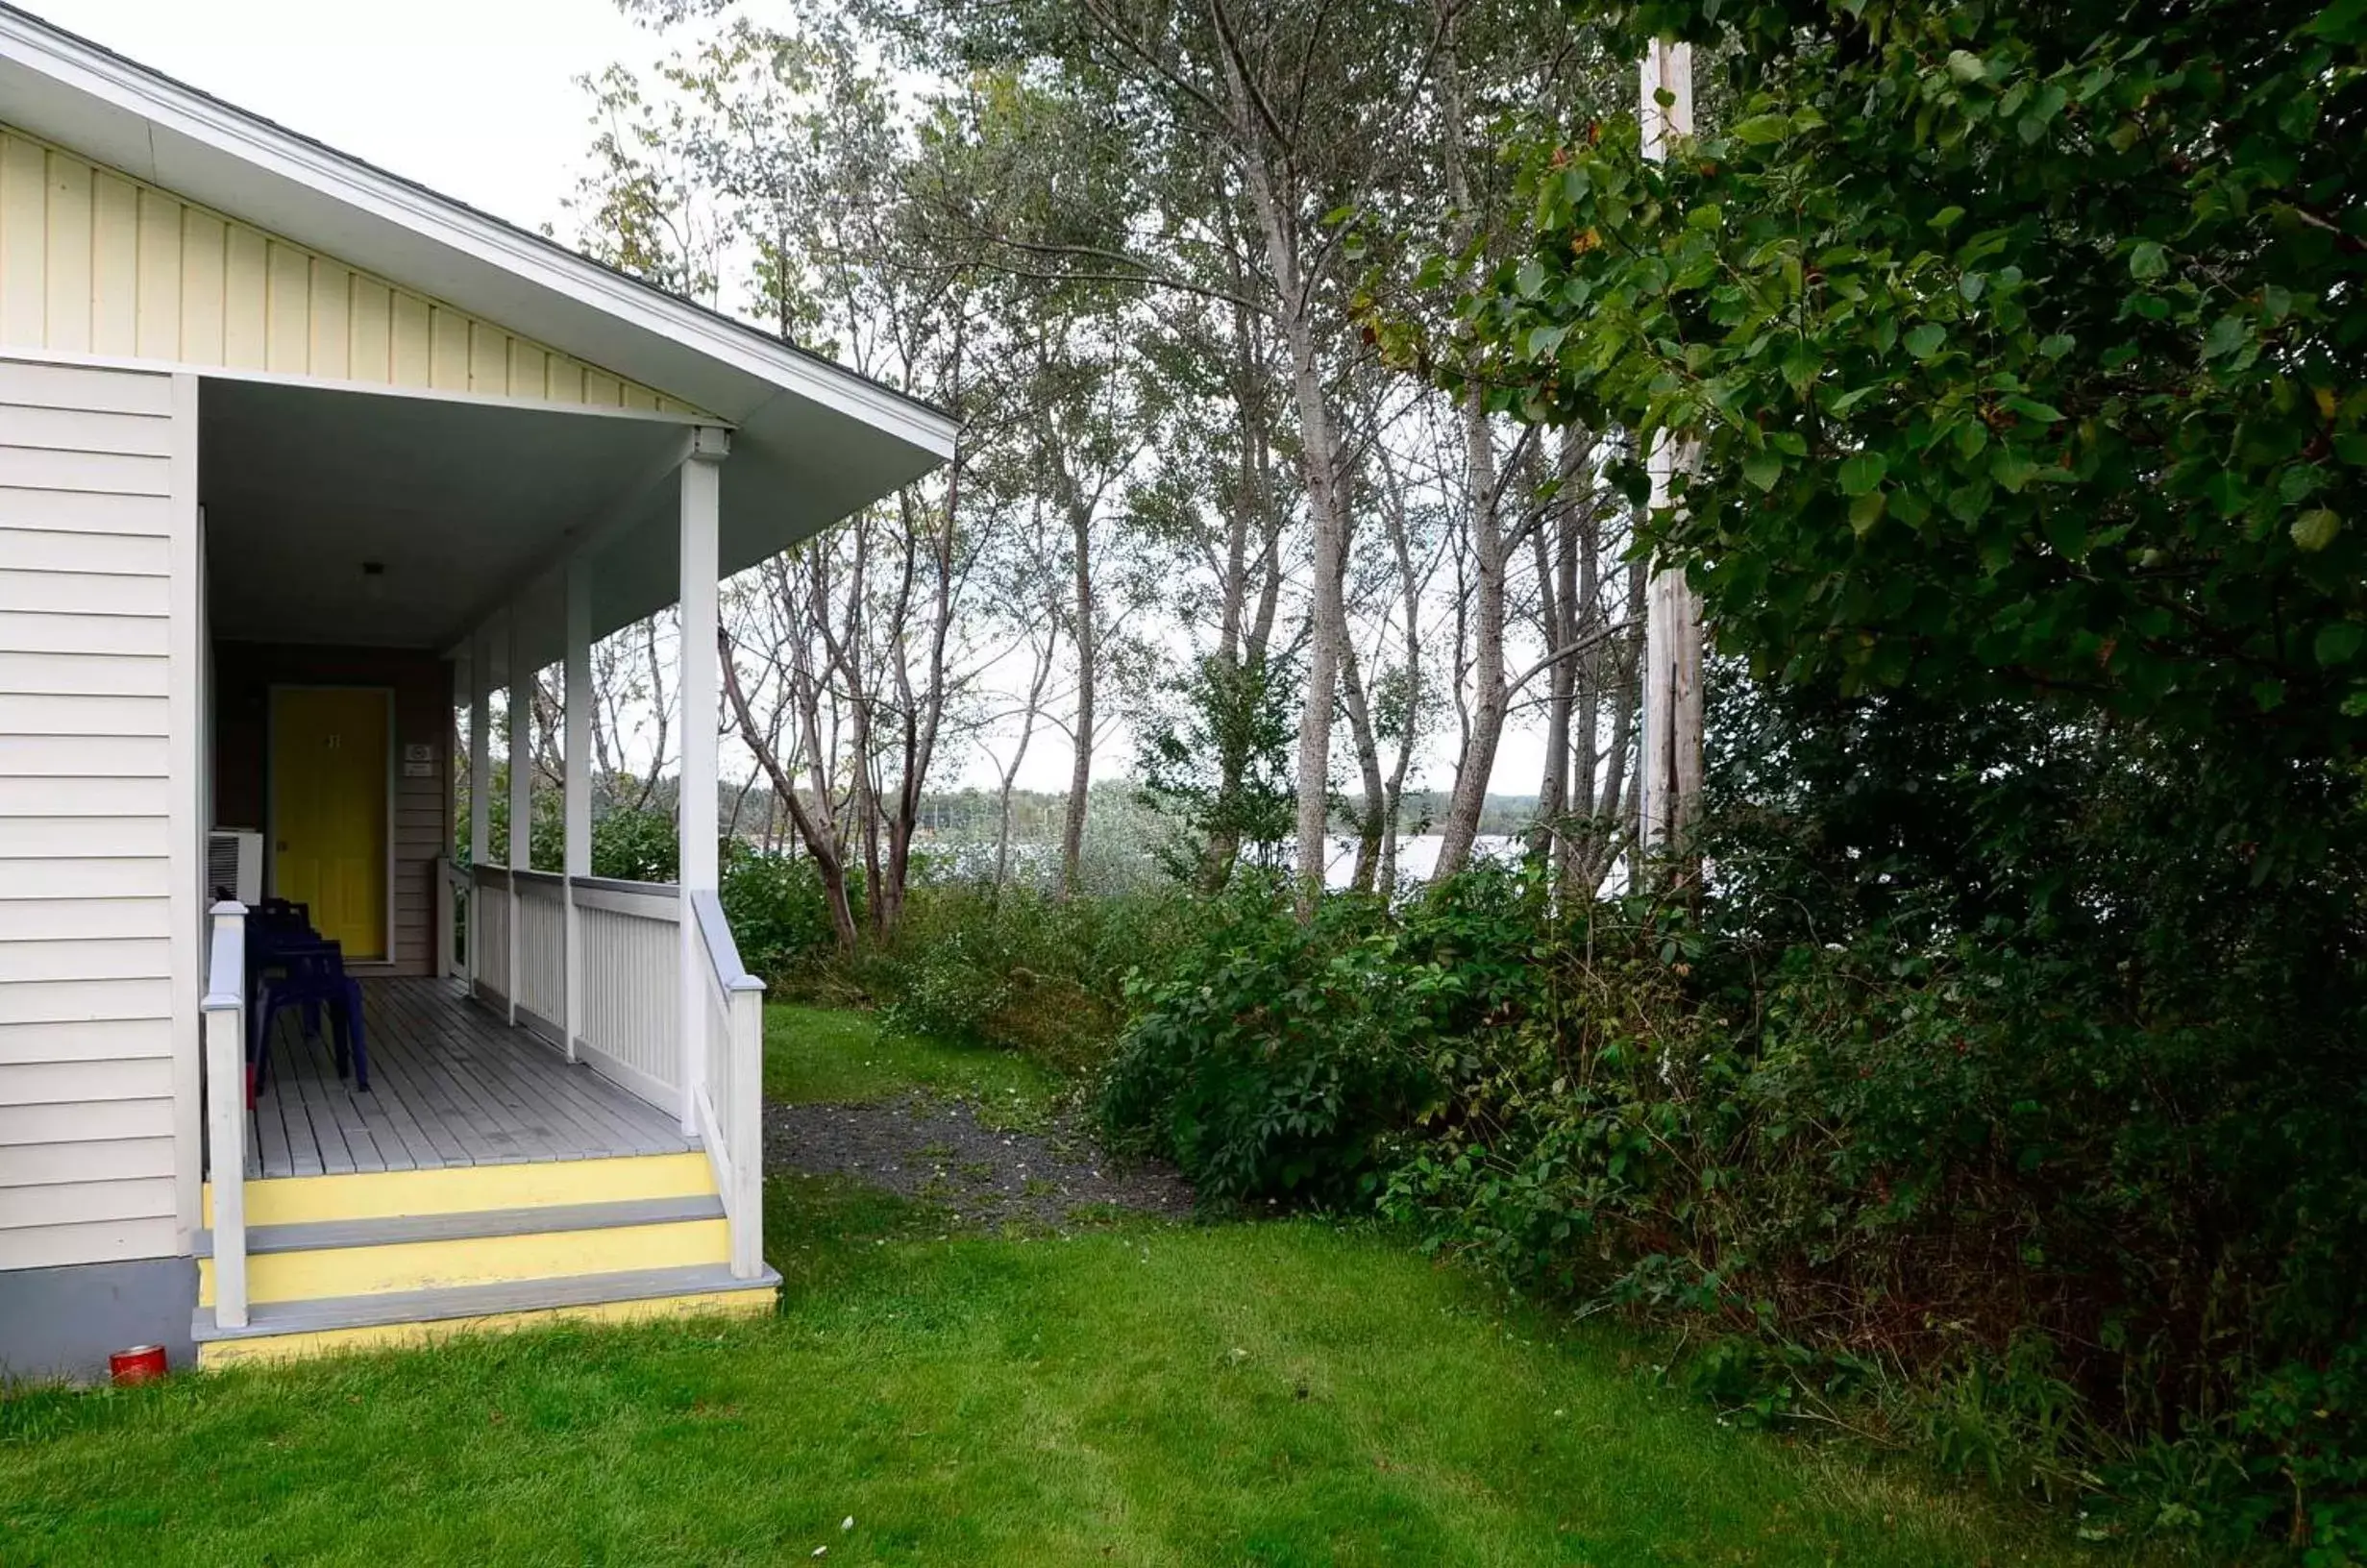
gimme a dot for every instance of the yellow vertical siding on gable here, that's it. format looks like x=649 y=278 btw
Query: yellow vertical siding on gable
x=24 y=224
x=161 y=263
x=67 y=264
x=332 y=340
x=370 y=332
x=95 y=261
x=115 y=265
x=203 y=246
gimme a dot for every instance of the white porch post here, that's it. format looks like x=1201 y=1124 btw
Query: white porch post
x=701 y=686
x=521 y=791
x=578 y=782
x=480 y=787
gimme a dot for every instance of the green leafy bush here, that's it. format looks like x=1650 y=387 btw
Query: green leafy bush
x=1281 y=1062
x=1024 y=969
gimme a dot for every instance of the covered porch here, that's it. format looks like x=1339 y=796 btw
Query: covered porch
x=374 y=562
x=451 y=1085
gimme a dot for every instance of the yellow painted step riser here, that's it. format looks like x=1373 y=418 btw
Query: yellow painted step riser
x=297 y=1200
x=292 y=1347
x=484 y=1259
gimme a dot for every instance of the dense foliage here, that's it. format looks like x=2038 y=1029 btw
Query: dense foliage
x=2023 y=345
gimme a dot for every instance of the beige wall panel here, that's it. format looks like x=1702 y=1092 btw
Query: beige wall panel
x=83 y=387
x=82 y=675
x=246 y=299
x=205 y=249
x=25 y=1205
x=50 y=1246
x=95 y=261
x=85 y=1039
x=81 y=593
x=83 y=511
x=24 y=228
x=73 y=1002
x=287 y=343
x=414 y=355
x=65 y=795
x=32 y=631
x=103 y=960
x=448 y=364
x=115 y=265
x=63 y=1083
x=60 y=919
x=66 y=257
x=332 y=284
x=82 y=879
x=45 y=1164
x=488 y=361
x=37 y=713
x=159 y=333
x=370 y=332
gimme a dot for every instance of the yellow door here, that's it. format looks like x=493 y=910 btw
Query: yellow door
x=328 y=797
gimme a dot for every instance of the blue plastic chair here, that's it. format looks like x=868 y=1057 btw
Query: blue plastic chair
x=309 y=977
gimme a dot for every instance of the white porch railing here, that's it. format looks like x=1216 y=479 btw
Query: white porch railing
x=226 y=1108
x=541 y=957
x=488 y=935
x=625 y=1021
x=730 y=1091
x=628 y=964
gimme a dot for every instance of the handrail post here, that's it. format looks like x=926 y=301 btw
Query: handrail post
x=744 y=1124
x=226 y=1110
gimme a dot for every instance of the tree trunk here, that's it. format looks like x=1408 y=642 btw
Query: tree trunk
x=820 y=843
x=1489 y=698
x=1088 y=651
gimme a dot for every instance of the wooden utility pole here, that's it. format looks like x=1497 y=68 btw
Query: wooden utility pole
x=1671 y=795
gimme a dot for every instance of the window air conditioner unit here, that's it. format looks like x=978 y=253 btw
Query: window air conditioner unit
x=235 y=865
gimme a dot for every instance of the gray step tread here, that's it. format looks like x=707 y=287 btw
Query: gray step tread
x=268 y=1318
x=327 y=1234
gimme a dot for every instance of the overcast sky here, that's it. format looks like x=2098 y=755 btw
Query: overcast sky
x=478 y=99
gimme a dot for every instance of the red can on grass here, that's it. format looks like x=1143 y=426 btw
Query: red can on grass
x=141 y=1364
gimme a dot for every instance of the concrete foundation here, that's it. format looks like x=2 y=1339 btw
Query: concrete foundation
x=63 y=1323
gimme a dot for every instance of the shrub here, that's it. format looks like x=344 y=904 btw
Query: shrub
x=1024 y=969
x=1279 y=1061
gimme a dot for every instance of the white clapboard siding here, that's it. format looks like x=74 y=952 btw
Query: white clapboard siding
x=82 y=593
x=21 y=1206
x=50 y=1246
x=78 y=511
x=89 y=525
x=74 y=919
x=67 y=756
x=82 y=1039
x=66 y=1082
x=61 y=794
x=80 y=877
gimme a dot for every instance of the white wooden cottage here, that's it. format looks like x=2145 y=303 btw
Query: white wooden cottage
x=296 y=456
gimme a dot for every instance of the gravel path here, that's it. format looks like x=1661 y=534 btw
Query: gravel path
x=935 y=1149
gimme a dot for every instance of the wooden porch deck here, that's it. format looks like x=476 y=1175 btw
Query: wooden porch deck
x=450 y=1084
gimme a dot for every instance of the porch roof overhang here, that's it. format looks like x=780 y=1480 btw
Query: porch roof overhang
x=377 y=519
x=813 y=441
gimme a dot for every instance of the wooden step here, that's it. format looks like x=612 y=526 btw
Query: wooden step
x=377 y=1257
x=300 y=1200
x=282 y=1331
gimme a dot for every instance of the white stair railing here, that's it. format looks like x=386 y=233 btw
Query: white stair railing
x=225 y=1008
x=731 y=1094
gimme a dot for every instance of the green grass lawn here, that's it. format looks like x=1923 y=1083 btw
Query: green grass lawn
x=815 y=1054
x=1277 y=1393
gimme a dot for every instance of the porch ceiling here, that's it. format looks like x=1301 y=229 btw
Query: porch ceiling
x=468 y=504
